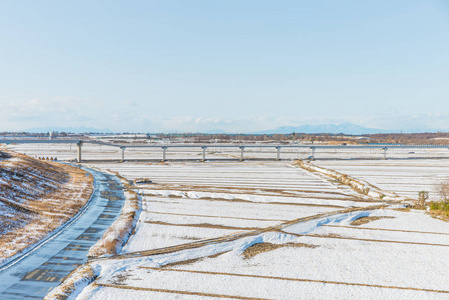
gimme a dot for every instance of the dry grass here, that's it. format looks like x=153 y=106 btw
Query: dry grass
x=251 y=191
x=363 y=188
x=235 y=200
x=42 y=195
x=365 y=220
x=142 y=180
x=440 y=215
x=193 y=260
x=120 y=277
x=117 y=235
x=341 y=178
x=337 y=236
x=174 y=196
x=213 y=216
x=403 y=209
x=81 y=274
x=283 y=279
x=4 y=155
x=200 y=294
x=203 y=225
x=234 y=236
x=258 y=248
x=385 y=229
x=113 y=239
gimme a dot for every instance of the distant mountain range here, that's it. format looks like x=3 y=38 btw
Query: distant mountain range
x=345 y=128
x=214 y=131
x=68 y=129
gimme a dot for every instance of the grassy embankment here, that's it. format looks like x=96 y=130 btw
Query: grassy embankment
x=35 y=198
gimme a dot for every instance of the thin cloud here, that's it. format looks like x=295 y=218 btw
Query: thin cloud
x=67 y=112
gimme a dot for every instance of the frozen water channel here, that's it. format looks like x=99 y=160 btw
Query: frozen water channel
x=32 y=275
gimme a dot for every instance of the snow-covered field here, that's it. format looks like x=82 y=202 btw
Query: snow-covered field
x=99 y=152
x=190 y=201
x=317 y=259
x=225 y=230
x=405 y=177
x=335 y=260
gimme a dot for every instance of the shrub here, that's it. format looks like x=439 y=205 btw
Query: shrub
x=439 y=206
x=422 y=197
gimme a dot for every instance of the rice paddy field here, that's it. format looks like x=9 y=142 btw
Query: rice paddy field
x=272 y=230
x=405 y=177
x=102 y=152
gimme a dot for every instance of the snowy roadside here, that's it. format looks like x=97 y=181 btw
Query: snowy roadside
x=111 y=243
x=118 y=234
x=75 y=283
x=360 y=186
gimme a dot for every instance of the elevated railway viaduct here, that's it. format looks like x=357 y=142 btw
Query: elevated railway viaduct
x=203 y=147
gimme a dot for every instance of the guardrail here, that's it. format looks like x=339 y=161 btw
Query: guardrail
x=204 y=147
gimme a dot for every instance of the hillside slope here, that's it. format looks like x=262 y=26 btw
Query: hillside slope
x=35 y=198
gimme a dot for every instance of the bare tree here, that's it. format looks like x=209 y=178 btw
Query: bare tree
x=422 y=197
x=443 y=191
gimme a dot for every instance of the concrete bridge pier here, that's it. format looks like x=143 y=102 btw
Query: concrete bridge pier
x=241 y=153
x=164 y=153
x=278 y=157
x=204 y=153
x=123 y=153
x=313 y=152
x=80 y=145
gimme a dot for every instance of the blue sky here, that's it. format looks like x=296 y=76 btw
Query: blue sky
x=239 y=66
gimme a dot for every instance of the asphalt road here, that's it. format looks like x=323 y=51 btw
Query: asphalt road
x=32 y=275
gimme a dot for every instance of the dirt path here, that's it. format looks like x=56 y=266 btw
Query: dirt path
x=232 y=237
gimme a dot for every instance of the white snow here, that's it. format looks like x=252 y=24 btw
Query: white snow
x=334 y=260
x=382 y=259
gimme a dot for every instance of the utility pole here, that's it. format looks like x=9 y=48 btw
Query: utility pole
x=79 y=144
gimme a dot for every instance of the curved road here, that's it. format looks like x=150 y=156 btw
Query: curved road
x=32 y=275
